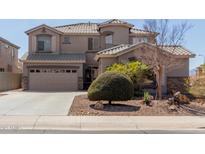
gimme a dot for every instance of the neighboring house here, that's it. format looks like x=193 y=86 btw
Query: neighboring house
x=9 y=57
x=200 y=71
x=70 y=57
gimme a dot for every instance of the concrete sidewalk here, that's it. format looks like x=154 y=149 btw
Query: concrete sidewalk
x=102 y=124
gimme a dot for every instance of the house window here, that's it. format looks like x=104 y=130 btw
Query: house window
x=1 y=69
x=13 y=53
x=66 y=40
x=32 y=71
x=139 y=39
x=93 y=43
x=74 y=71
x=44 y=43
x=109 y=40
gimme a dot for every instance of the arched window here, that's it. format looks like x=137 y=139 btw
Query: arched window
x=44 y=43
x=108 y=38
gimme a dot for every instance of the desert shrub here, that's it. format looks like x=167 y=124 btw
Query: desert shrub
x=147 y=97
x=137 y=71
x=111 y=86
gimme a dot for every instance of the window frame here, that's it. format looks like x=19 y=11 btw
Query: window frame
x=40 y=41
x=68 y=40
x=92 y=45
x=139 y=40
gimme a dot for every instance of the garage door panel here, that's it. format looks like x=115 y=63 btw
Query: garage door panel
x=49 y=81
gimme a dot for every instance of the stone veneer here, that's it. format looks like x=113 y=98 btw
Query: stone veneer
x=25 y=82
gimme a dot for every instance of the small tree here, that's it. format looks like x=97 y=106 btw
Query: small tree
x=167 y=35
x=136 y=70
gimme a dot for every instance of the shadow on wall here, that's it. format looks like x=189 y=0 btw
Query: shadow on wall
x=175 y=84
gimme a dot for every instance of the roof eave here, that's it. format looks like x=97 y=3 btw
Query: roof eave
x=41 y=26
x=53 y=61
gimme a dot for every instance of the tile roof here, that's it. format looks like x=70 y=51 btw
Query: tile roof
x=8 y=42
x=140 y=31
x=93 y=28
x=116 y=21
x=71 y=57
x=79 y=28
x=175 y=50
x=114 y=50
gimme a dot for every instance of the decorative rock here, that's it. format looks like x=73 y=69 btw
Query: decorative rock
x=177 y=93
x=180 y=98
x=170 y=101
x=172 y=108
x=99 y=105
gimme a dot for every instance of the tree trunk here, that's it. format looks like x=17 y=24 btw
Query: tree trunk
x=159 y=84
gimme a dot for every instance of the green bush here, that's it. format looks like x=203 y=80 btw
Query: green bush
x=147 y=97
x=137 y=71
x=111 y=86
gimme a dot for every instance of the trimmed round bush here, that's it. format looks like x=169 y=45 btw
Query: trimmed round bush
x=111 y=86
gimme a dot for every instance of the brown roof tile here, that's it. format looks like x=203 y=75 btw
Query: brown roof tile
x=175 y=50
x=71 y=57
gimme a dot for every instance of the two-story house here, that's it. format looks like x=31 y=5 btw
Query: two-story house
x=70 y=57
x=9 y=57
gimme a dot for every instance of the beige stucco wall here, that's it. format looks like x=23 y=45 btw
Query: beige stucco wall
x=104 y=62
x=7 y=59
x=9 y=81
x=90 y=59
x=78 y=43
x=180 y=68
x=55 y=40
x=120 y=34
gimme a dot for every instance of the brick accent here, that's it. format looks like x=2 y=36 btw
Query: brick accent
x=80 y=83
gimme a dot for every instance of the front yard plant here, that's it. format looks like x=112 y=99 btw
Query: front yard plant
x=111 y=86
x=138 y=72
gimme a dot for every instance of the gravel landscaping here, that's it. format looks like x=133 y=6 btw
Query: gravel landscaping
x=82 y=106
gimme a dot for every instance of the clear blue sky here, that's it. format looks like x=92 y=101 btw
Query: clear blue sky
x=13 y=30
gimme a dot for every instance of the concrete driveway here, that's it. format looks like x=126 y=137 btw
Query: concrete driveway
x=36 y=103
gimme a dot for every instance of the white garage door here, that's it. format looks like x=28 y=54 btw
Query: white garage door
x=49 y=79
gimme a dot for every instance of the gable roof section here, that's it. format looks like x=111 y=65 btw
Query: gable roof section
x=142 y=32
x=177 y=50
x=115 y=22
x=8 y=42
x=83 y=28
x=43 y=26
x=124 y=48
x=49 y=57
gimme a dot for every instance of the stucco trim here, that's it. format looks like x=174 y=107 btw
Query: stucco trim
x=43 y=26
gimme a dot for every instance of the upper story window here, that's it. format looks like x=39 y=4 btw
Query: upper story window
x=139 y=39
x=93 y=43
x=1 y=69
x=12 y=52
x=108 y=40
x=66 y=40
x=44 y=43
